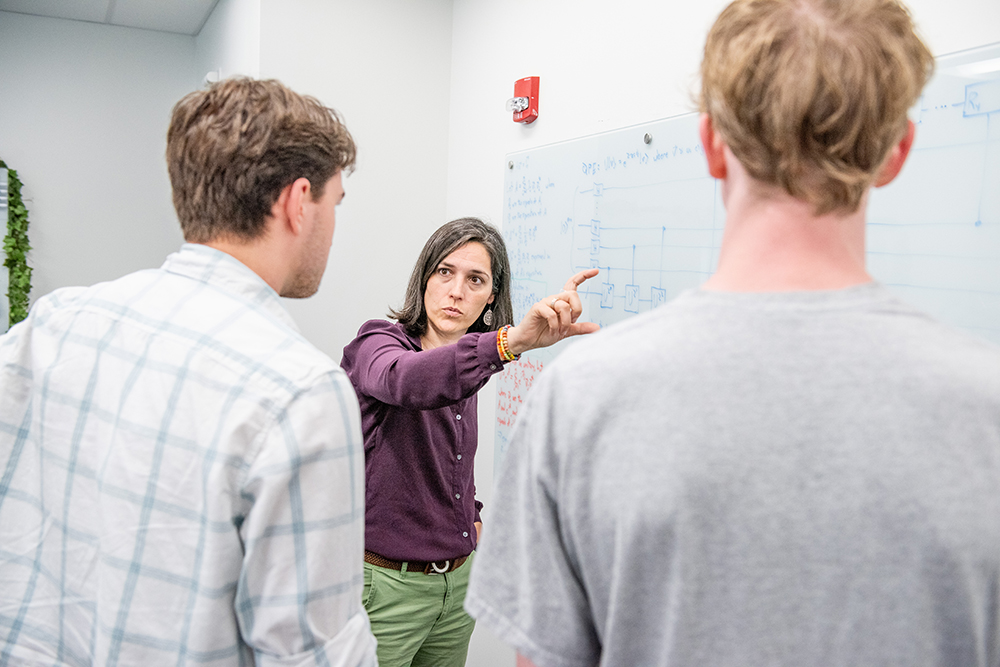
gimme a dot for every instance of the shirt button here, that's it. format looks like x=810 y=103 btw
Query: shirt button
x=458 y=416
x=458 y=495
x=465 y=534
x=459 y=457
x=493 y=367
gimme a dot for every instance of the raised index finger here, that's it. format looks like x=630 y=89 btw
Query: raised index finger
x=577 y=279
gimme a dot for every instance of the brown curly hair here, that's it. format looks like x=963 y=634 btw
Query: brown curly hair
x=811 y=95
x=232 y=149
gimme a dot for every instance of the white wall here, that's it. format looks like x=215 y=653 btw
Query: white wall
x=229 y=42
x=385 y=65
x=84 y=109
x=603 y=66
x=956 y=26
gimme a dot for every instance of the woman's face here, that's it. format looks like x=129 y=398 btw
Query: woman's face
x=457 y=292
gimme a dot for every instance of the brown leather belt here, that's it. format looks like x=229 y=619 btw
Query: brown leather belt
x=439 y=567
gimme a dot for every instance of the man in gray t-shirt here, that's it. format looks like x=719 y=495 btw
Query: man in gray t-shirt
x=788 y=466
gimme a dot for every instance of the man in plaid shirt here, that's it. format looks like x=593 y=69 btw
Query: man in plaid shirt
x=181 y=472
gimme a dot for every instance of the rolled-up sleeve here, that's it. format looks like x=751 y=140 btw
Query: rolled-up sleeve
x=353 y=645
x=298 y=599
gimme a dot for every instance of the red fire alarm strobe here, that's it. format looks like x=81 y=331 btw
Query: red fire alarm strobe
x=524 y=104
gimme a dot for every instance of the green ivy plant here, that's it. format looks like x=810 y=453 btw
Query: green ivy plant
x=15 y=246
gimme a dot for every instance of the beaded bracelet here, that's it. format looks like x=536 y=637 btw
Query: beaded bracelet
x=503 y=347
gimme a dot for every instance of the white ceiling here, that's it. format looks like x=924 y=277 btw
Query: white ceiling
x=181 y=16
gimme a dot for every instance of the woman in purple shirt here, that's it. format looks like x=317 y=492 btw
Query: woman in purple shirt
x=416 y=381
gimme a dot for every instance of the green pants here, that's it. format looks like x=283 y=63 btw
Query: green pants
x=418 y=618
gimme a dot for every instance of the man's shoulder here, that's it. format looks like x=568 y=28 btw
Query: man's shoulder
x=253 y=341
x=72 y=298
x=941 y=356
x=177 y=319
x=631 y=341
x=868 y=322
x=59 y=310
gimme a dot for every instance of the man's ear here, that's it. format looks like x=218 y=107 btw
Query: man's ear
x=289 y=209
x=714 y=147
x=897 y=156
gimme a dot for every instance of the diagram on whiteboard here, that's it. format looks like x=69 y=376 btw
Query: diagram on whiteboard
x=639 y=205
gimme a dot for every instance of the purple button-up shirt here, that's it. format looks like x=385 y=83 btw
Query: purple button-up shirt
x=418 y=415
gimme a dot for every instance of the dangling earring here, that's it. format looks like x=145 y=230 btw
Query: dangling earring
x=488 y=317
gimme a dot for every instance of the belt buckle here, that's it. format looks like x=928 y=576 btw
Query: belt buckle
x=442 y=570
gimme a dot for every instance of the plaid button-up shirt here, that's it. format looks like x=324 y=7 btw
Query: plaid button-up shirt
x=181 y=478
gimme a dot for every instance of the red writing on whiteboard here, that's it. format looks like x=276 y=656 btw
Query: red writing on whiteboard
x=513 y=388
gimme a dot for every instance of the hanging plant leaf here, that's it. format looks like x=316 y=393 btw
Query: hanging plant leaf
x=16 y=247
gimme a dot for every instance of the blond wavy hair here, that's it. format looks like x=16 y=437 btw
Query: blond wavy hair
x=232 y=149
x=811 y=95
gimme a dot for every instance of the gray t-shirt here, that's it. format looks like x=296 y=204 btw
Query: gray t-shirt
x=807 y=478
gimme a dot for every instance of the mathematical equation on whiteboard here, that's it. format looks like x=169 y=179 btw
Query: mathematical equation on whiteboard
x=639 y=205
x=520 y=375
x=613 y=213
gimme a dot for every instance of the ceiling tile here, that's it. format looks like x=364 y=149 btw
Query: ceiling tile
x=81 y=10
x=183 y=16
x=180 y=16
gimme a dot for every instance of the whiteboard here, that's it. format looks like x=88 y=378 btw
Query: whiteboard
x=639 y=204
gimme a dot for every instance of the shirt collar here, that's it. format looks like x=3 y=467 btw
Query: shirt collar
x=226 y=273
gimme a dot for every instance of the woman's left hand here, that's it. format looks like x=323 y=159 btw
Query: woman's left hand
x=552 y=319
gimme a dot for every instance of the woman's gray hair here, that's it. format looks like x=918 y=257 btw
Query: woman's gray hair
x=447 y=239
